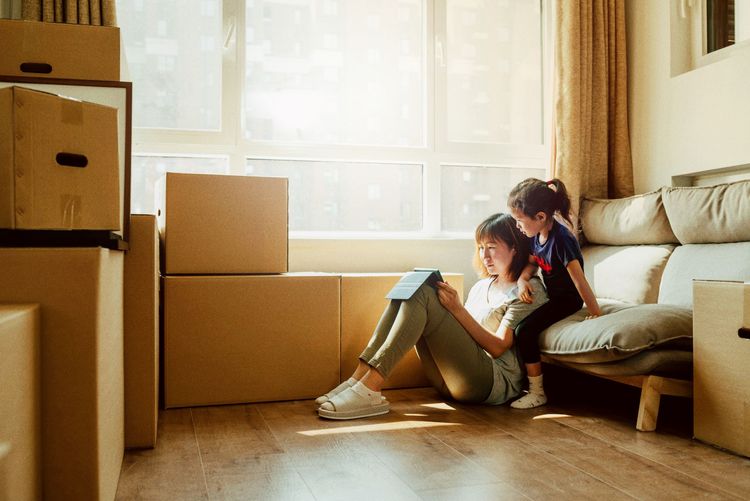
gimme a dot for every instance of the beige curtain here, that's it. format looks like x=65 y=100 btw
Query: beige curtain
x=97 y=12
x=591 y=145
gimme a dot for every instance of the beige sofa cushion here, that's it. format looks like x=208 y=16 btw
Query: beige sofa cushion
x=626 y=221
x=621 y=332
x=626 y=273
x=708 y=214
x=702 y=262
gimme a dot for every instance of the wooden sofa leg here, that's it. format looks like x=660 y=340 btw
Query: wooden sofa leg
x=648 y=410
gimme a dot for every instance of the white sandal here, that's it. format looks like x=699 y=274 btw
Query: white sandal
x=325 y=398
x=351 y=405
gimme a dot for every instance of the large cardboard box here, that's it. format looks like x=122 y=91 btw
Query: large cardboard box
x=225 y=224
x=233 y=339
x=79 y=291
x=721 y=364
x=59 y=164
x=362 y=304
x=59 y=50
x=20 y=401
x=141 y=321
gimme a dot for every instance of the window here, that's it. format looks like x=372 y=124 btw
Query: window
x=349 y=74
x=348 y=196
x=176 y=74
x=396 y=116
x=494 y=76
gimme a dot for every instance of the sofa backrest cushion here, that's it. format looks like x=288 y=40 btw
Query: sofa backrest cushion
x=702 y=262
x=709 y=214
x=621 y=332
x=626 y=273
x=636 y=220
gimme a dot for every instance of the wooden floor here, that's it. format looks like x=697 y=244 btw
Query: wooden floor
x=581 y=446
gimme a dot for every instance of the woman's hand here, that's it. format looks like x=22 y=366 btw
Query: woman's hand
x=448 y=297
x=525 y=291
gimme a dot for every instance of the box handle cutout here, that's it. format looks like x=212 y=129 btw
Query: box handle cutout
x=36 y=68
x=744 y=333
x=72 y=160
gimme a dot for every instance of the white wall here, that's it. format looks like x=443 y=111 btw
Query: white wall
x=449 y=255
x=692 y=122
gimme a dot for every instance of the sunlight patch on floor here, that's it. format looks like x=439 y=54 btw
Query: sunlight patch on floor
x=440 y=405
x=551 y=416
x=396 y=425
x=414 y=414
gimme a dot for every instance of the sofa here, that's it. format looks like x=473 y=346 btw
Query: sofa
x=641 y=255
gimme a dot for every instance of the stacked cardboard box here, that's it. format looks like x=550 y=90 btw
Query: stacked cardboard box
x=58 y=163
x=79 y=291
x=62 y=171
x=59 y=50
x=250 y=338
x=721 y=350
x=141 y=336
x=20 y=402
x=225 y=224
x=237 y=326
x=64 y=165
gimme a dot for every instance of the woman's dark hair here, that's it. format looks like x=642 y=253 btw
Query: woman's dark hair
x=502 y=228
x=531 y=196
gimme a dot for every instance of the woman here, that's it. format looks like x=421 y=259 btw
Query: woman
x=466 y=351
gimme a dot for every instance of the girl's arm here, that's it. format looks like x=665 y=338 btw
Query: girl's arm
x=494 y=343
x=525 y=291
x=584 y=289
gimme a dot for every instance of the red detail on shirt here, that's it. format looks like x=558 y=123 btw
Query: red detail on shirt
x=547 y=267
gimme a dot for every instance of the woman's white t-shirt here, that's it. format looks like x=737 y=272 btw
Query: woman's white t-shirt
x=503 y=310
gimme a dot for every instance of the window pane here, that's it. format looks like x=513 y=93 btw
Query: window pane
x=148 y=171
x=335 y=71
x=494 y=71
x=174 y=50
x=340 y=196
x=470 y=194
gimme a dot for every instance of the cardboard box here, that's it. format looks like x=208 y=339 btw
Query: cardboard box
x=59 y=164
x=362 y=304
x=117 y=95
x=235 y=339
x=20 y=401
x=59 y=50
x=721 y=368
x=225 y=224
x=79 y=291
x=141 y=323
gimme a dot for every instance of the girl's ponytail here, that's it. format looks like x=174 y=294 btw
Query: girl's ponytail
x=562 y=198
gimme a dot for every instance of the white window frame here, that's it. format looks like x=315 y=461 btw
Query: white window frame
x=229 y=141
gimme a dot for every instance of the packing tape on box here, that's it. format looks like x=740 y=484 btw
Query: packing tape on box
x=71 y=111
x=70 y=206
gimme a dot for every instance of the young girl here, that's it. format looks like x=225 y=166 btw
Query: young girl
x=533 y=204
x=467 y=351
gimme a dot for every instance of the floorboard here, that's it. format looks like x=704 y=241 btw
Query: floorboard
x=428 y=448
